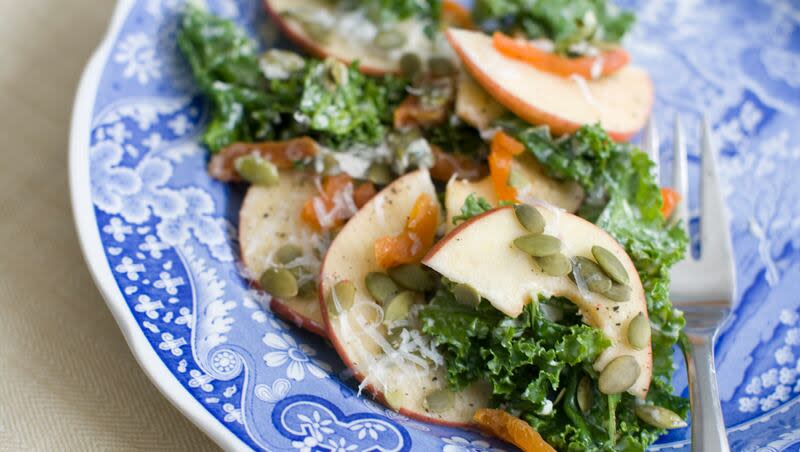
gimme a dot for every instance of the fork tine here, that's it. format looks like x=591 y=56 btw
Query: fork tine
x=714 y=230
x=680 y=176
x=651 y=146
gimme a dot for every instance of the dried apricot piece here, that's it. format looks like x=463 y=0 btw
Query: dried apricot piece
x=511 y=429
x=416 y=239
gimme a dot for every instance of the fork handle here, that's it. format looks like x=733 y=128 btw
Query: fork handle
x=708 y=425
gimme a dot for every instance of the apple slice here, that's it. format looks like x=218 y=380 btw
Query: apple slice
x=474 y=105
x=269 y=219
x=396 y=376
x=621 y=102
x=351 y=35
x=537 y=188
x=480 y=253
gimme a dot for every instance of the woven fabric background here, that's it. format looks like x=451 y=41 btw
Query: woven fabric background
x=67 y=378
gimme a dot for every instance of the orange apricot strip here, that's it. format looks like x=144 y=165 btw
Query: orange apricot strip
x=416 y=239
x=457 y=15
x=511 y=429
x=283 y=154
x=411 y=113
x=331 y=204
x=610 y=61
x=670 y=199
x=501 y=158
x=447 y=164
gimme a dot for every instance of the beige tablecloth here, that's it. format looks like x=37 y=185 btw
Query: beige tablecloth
x=67 y=378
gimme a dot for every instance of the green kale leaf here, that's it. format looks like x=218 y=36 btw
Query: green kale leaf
x=473 y=206
x=568 y=23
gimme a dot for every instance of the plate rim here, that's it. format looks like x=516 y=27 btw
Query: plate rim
x=84 y=219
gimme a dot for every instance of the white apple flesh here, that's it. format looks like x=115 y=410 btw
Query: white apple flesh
x=620 y=102
x=400 y=380
x=480 y=253
x=270 y=218
x=351 y=34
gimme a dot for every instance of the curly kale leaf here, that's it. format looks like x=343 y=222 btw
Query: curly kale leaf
x=473 y=206
x=567 y=23
x=337 y=109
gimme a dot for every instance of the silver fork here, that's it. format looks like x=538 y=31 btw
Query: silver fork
x=702 y=288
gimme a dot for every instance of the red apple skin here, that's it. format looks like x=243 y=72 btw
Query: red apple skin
x=531 y=114
x=472 y=220
x=305 y=41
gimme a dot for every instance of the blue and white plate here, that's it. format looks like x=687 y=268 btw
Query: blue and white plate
x=159 y=234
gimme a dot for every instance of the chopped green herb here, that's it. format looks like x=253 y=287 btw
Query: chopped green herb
x=473 y=206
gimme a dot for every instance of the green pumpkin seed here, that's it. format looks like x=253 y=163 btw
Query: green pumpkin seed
x=398 y=307
x=610 y=264
x=659 y=417
x=619 y=375
x=279 y=64
x=412 y=277
x=466 y=295
x=342 y=297
x=339 y=72
x=317 y=31
x=258 y=171
x=440 y=66
x=389 y=39
x=592 y=275
x=538 y=245
x=555 y=265
x=410 y=65
x=379 y=173
x=530 y=218
x=439 y=400
x=585 y=395
x=381 y=287
x=287 y=253
x=618 y=292
x=639 y=332
x=279 y=282
x=308 y=289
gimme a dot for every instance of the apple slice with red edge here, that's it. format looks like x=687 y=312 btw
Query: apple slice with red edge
x=269 y=219
x=351 y=35
x=535 y=187
x=400 y=379
x=481 y=253
x=620 y=102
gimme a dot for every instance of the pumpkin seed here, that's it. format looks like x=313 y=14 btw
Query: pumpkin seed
x=389 y=39
x=555 y=265
x=538 y=245
x=287 y=253
x=316 y=30
x=585 y=395
x=398 y=307
x=279 y=282
x=308 y=289
x=596 y=281
x=610 y=264
x=619 y=375
x=341 y=297
x=339 y=71
x=279 y=64
x=440 y=66
x=258 y=171
x=381 y=287
x=618 y=292
x=466 y=295
x=379 y=173
x=659 y=417
x=530 y=218
x=412 y=277
x=410 y=65
x=639 y=332
x=439 y=400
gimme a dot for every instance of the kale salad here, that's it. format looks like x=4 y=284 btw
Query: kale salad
x=450 y=198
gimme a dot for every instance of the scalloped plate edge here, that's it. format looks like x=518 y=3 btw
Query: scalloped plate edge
x=92 y=249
